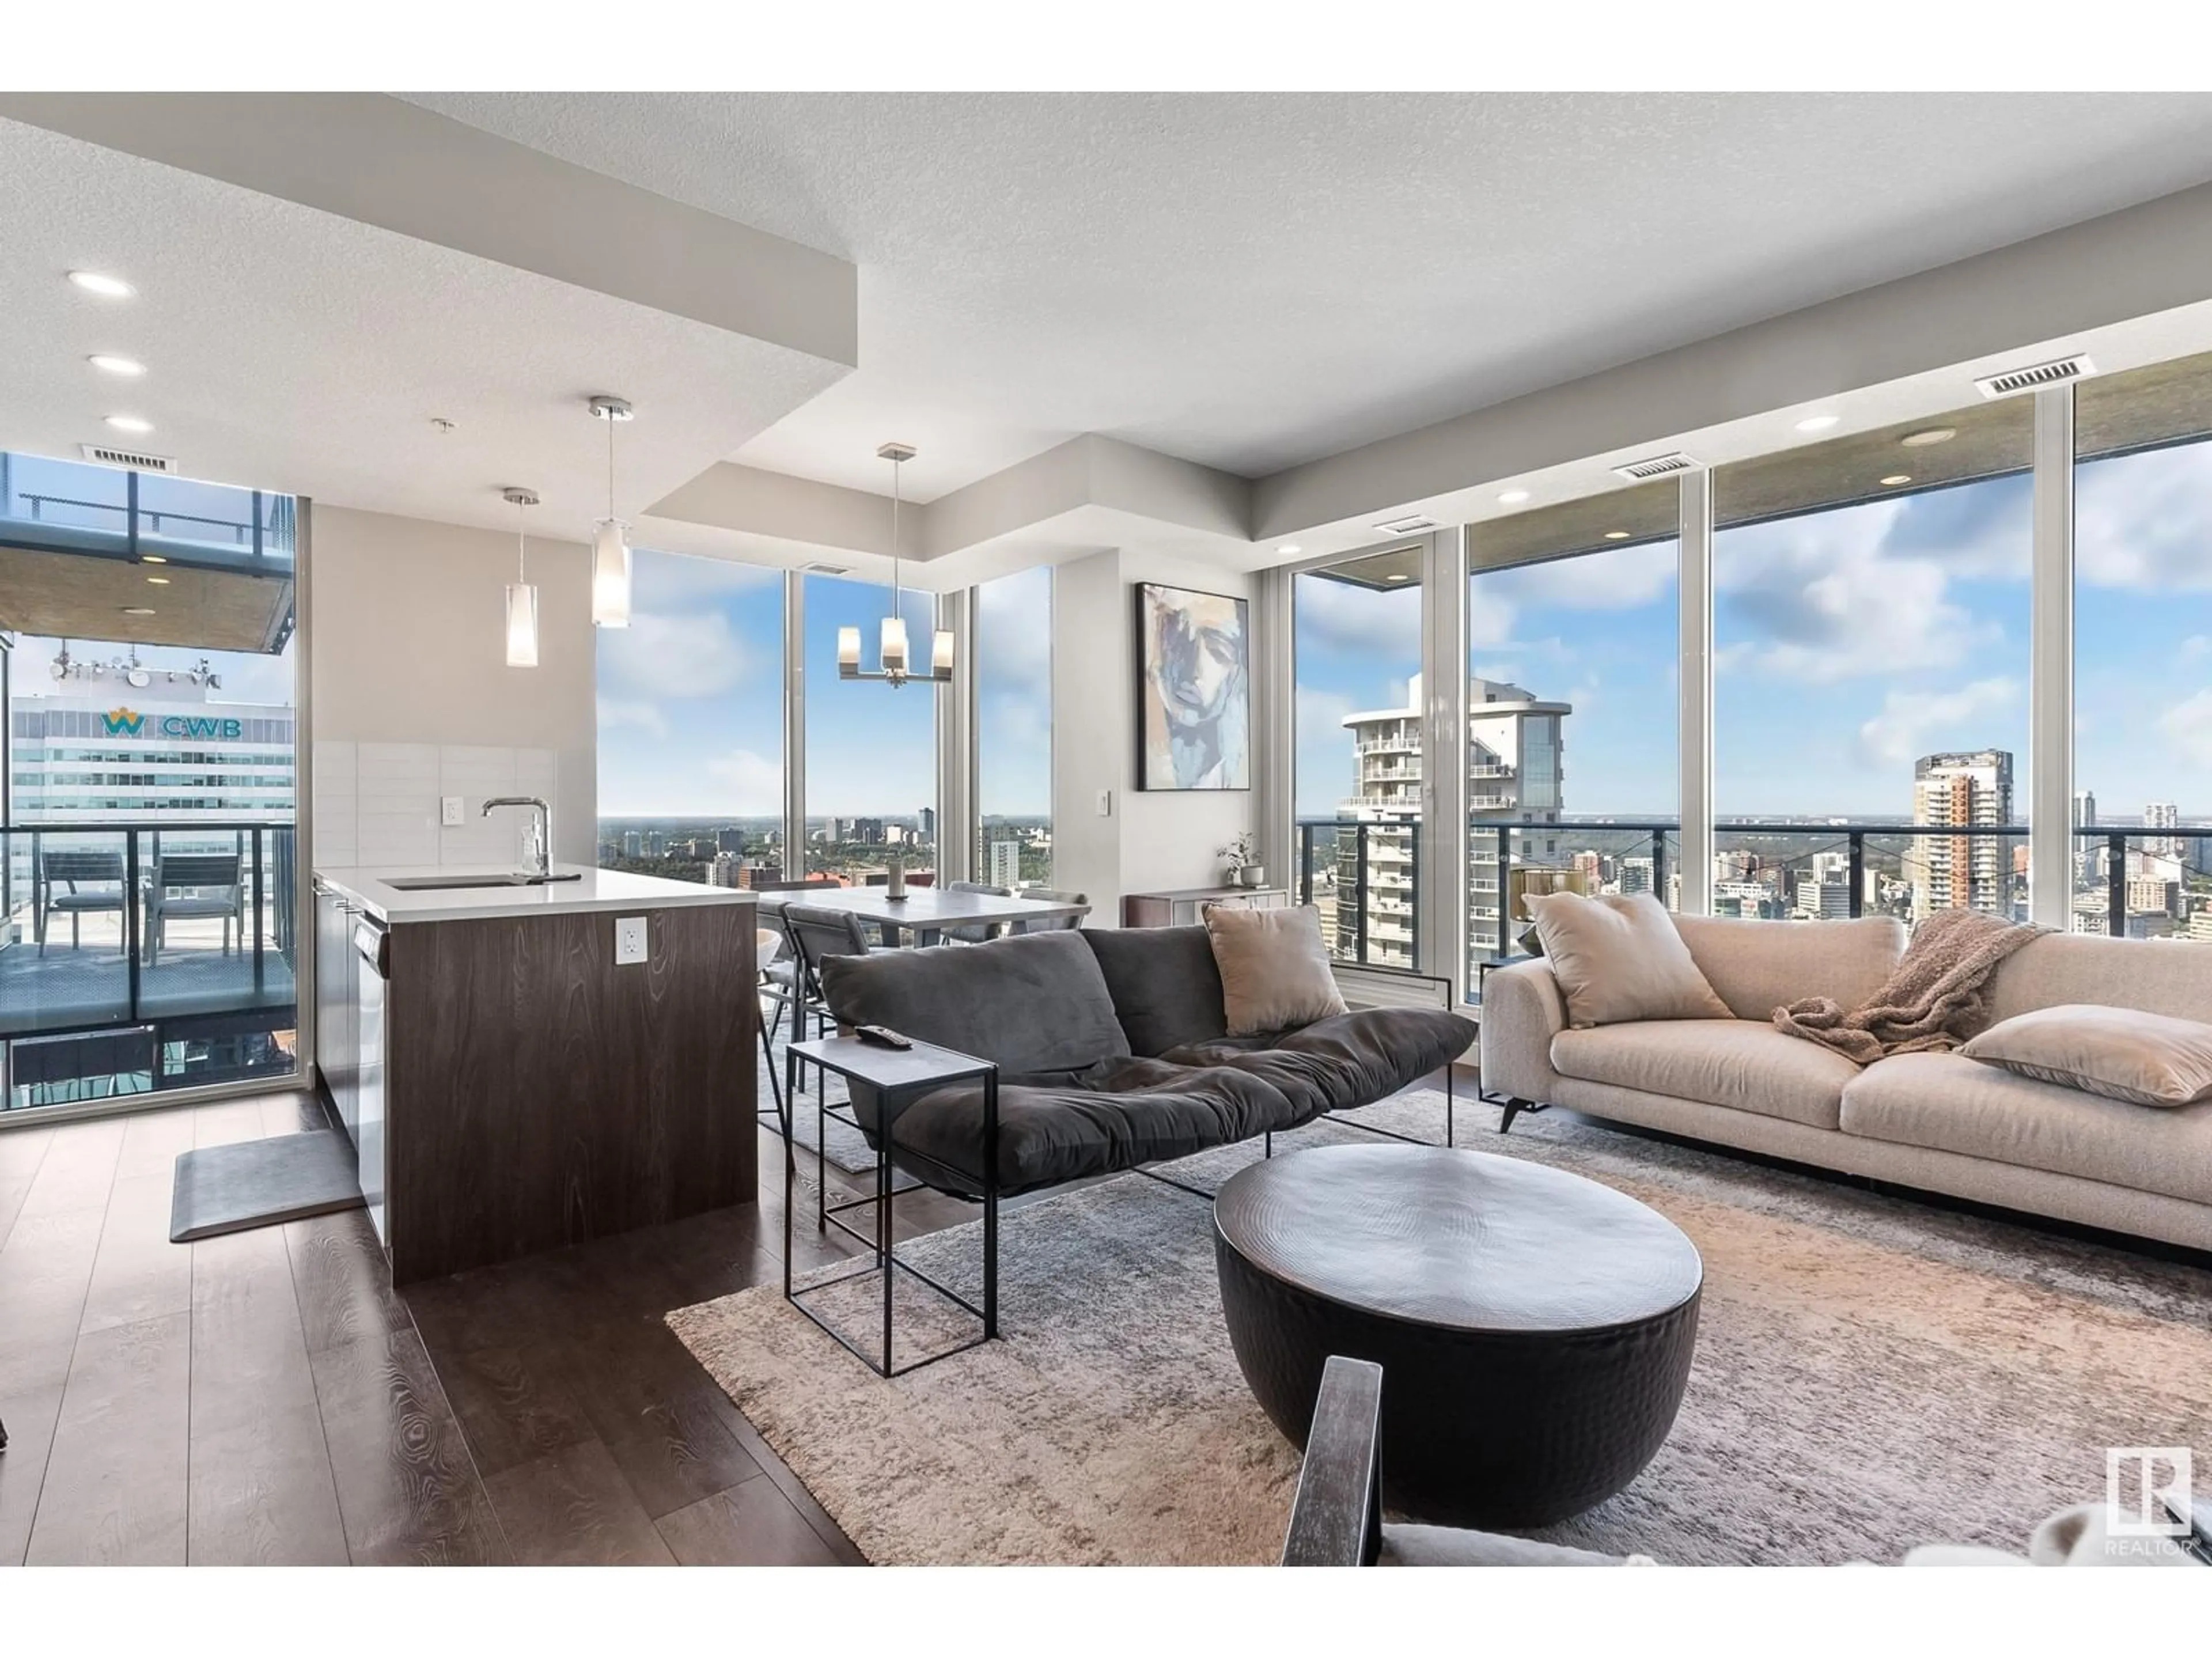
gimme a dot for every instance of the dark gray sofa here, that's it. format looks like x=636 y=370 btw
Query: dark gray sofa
x=1113 y=1051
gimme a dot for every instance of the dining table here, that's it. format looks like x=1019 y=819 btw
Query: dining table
x=925 y=912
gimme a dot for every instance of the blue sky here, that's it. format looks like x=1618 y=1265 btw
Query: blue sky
x=1847 y=644
x=690 y=697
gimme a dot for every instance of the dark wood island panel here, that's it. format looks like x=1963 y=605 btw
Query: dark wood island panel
x=539 y=1096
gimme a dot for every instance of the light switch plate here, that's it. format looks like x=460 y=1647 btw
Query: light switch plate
x=630 y=940
x=449 y=811
x=1105 y=803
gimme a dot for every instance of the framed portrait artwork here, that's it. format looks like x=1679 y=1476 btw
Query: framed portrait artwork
x=1194 y=690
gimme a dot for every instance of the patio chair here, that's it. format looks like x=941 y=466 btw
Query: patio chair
x=192 y=885
x=79 y=884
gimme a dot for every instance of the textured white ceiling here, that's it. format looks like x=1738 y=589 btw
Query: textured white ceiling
x=1251 y=280
x=297 y=350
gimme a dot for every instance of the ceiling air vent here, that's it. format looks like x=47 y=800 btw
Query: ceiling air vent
x=827 y=569
x=1407 y=527
x=1655 y=467
x=136 y=460
x=2028 y=380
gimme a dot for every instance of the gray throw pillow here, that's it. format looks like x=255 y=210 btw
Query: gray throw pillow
x=2122 y=1054
x=1275 y=968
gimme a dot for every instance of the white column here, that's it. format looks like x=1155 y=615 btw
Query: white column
x=794 y=725
x=1274 y=699
x=2051 y=664
x=956 y=740
x=1444 y=848
x=1695 y=589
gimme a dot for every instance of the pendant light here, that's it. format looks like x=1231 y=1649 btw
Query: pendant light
x=895 y=666
x=521 y=597
x=610 y=543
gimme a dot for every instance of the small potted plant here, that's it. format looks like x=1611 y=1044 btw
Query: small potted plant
x=1240 y=858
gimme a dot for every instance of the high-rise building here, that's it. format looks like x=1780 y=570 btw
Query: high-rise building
x=2085 y=807
x=730 y=841
x=1964 y=790
x=106 y=748
x=2162 y=815
x=633 y=843
x=832 y=831
x=927 y=818
x=1513 y=774
x=724 y=870
x=1006 y=864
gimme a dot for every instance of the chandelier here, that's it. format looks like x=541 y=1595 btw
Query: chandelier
x=895 y=664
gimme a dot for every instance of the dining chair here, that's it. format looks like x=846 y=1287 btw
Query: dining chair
x=1053 y=924
x=79 y=884
x=975 y=933
x=187 y=886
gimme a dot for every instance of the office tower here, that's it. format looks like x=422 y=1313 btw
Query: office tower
x=928 y=819
x=102 y=751
x=730 y=841
x=2085 y=807
x=724 y=870
x=1006 y=864
x=2162 y=815
x=830 y=829
x=632 y=844
x=1513 y=774
x=1955 y=872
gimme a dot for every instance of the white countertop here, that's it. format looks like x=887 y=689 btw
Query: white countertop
x=597 y=890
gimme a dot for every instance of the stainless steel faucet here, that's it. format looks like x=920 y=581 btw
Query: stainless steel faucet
x=541 y=831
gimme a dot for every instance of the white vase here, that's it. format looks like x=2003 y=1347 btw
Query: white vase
x=1252 y=875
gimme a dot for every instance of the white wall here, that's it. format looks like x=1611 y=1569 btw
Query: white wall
x=1154 y=838
x=412 y=698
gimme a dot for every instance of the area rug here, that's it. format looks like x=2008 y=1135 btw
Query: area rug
x=1871 y=1373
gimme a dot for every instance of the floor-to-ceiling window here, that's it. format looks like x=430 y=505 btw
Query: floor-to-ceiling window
x=1013 y=729
x=1870 y=670
x=148 y=882
x=1573 y=628
x=870 y=747
x=690 y=723
x=1357 y=735
x=2142 y=645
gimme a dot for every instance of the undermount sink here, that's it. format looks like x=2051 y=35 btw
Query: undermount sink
x=441 y=883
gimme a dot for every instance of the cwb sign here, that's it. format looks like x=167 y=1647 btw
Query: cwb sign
x=130 y=723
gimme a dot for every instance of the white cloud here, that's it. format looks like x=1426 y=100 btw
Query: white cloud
x=1913 y=723
x=2195 y=648
x=2141 y=521
x=659 y=655
x=1358 y=621
x=1014 y=631
x=2187 y=727
x=750 y=783
x=616 y=713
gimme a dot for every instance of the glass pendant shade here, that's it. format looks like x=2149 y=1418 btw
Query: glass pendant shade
x=521 y=625
x=610 y=575
x=894 y=645
x=941 y=661
x=848 y=648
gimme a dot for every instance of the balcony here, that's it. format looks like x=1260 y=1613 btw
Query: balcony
x=145 y=958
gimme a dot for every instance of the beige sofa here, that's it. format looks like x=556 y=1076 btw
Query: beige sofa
x=1941 y=1123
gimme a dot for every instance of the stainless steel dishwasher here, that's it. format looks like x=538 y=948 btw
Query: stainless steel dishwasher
x=372 y=943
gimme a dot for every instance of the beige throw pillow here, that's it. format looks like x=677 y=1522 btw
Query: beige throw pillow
x=2122 y=1053
x=1618 y=958
x=1274 y=967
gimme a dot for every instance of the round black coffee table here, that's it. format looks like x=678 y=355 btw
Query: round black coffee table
x=1534 y=1328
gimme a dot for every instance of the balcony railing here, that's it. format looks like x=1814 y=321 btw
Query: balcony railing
x=145 y=956
x=1343 y=861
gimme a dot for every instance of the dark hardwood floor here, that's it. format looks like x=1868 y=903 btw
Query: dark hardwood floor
x=267 y=1397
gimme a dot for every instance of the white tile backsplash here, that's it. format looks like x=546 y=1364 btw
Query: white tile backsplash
x=378 y=803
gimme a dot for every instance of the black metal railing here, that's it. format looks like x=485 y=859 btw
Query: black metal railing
x=1495 y=850
x=267 y=536
x=100 y=924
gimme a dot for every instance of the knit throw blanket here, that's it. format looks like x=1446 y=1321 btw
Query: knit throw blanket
x=1932 y=1001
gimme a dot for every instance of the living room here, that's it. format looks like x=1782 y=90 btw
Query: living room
x=968 y=829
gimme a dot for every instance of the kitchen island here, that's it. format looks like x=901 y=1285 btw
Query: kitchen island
x=523 y=1065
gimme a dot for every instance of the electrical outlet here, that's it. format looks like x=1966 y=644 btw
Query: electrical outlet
x=449 y=811
x=1105 y=803
x=630 y=940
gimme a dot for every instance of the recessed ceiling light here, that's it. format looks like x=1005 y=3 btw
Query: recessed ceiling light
x=1616 y=535
x=1288 y=550
x=1897 y=478
x=129 y=424
x=1817 y=423
x=137 y=610
x=159 y=581
x=106 y=363
x=1401 y=577
x=1512 y=497
x=108 y=287
x=153 y=558
x=1934 y=434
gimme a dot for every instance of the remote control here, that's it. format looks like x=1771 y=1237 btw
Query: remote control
x=883 y=1036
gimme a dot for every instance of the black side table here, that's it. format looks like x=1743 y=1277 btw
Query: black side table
x=899 y=1077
